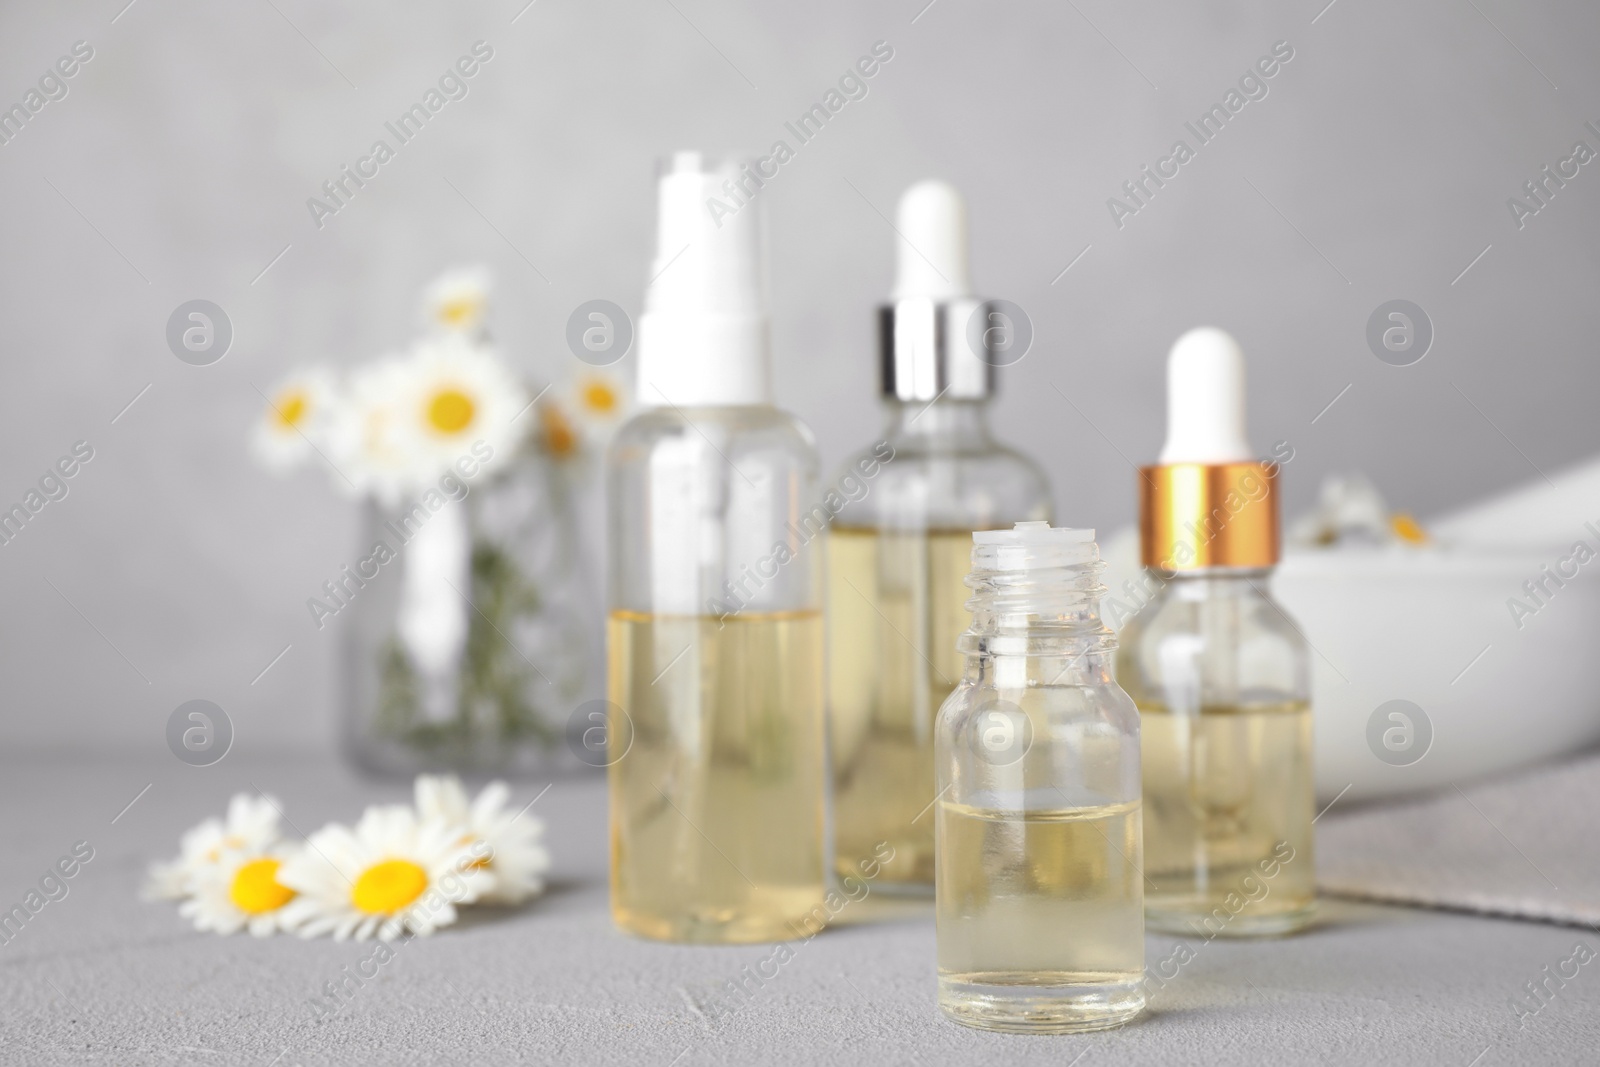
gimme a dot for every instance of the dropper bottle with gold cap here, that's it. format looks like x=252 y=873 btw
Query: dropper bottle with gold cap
x=1219 y=672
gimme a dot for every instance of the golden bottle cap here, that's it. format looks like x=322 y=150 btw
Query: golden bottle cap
x=1196 y=515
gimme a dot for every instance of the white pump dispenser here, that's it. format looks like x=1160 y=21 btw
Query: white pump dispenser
x=704 y=334
x=1205 y=400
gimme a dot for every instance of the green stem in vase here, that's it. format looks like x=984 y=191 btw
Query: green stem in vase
x=495 y=680
x=497 y=677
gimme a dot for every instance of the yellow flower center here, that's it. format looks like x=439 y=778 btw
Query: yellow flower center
x=387 y=887
x=1408 y=529
x=599 y=397
x=450 y=411
x=291 y=408
x=559 y=437
x=255 y=888
x=458 y=312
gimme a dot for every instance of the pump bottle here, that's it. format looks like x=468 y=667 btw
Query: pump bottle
x=715 y=637
x=1219 y=671
x=901 y=545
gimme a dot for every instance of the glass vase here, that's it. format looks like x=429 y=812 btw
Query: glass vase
x=469 y=644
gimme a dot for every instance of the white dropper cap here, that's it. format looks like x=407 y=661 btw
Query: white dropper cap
x=932 y=263
x=704 y=334
x=1205 y=400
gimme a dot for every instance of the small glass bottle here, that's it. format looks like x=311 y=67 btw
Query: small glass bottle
x=718 y=777
x=1220 y=673
x=1040 y=899
x=901 y=546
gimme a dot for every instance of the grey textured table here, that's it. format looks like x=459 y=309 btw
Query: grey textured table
x=102 y=977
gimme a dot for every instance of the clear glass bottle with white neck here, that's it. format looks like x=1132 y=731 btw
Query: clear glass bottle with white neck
x=716 y=742
x=1220 y=672
x=901 y=546
x=1040 y=903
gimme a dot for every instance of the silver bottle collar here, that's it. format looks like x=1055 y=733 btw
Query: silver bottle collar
x=926 y=350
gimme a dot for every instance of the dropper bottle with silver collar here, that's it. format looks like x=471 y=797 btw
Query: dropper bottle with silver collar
x=901 y=547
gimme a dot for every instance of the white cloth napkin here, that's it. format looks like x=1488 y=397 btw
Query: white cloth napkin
x=1525 y=846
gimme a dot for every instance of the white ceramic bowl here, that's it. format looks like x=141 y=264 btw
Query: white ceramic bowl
x=1410 y=624
x=1432 y=627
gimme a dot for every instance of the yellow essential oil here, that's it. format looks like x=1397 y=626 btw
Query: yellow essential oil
x=897 y=605
x=717 y=796
x=1039 y=906
x=1226 y=801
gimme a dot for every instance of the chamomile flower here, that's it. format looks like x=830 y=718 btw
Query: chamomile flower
x=370 y=440
x=391 y=873
x=557 y=434
x=297 y=414
x=583 y=411
x=251 y=826
x=515 y=858
x=455 y=395
x=239 y=891
x=598 y=400
x=457 y=300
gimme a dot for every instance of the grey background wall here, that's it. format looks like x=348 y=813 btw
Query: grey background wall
x=1378 y=166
